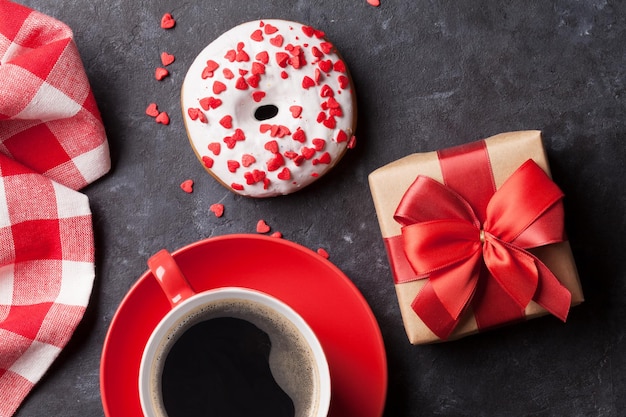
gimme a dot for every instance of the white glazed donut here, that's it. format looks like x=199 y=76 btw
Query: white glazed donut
x=269 y=107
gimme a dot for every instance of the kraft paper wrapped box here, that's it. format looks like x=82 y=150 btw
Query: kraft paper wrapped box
x=474 y=236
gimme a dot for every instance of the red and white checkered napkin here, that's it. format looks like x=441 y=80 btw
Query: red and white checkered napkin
x=52 y=143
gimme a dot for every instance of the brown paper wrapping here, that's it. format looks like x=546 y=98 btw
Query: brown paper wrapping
x=507 y=151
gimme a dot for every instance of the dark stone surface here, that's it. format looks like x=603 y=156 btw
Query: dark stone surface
x=427 y=75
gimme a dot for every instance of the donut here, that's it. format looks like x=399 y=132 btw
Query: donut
x=269 y=107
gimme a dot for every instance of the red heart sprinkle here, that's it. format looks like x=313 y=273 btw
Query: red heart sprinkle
x=228 y=74
x=207 y=161
x=163 y=118
x=253 y=81
x=299 y=136
x=352 y=142
x=230 y=142
x=339 y=66
x=296 y=111
x=262 y=227
x=277 y=235
x=326 y=47
x=218 y=87
x=231 y=55
x=308 y=31
x=330 y=123
x=264 y=127
x=236 y=186
x=258 y=96
x=167 y=59
x=212 y=65
x=227 y=121
x=152 y=110
x=326 y=91
x=241 y=84
x=215 y=147
x=187 y=186
x=307 y=152
x=205 y=103
x=325 y=66
x=161 y=73
x=257 y=35
x=285 y=174
x=272 y=146
x=239 y=135
x=316 y=52
x=276 y=162
x=167 y=21
x=307 y=82
x=322 y=252
x=206 y=74
x=319 y=144
x=374 y=3
x=344 y=82
x=269 y=29
x=281 y=59
x=258 y=68
x=232 y=165
x=277 y=41
x=341 y=136
x=247 y=160
x=263 y=56
x=324 y=159
x=217 y=209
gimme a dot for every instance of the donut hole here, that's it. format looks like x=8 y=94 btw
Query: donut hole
x=266 y=112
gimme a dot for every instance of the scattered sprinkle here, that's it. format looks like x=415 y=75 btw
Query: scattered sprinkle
x=167 y=59
x=374 y=3
x=323 y=253
x=163 y=118
x=277 y=235
x=167 y=21
x=262 y=227
x=187 y=186
x=217 y=209
x=152 y=110
x=161 y=73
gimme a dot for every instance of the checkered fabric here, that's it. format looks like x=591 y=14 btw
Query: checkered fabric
x=52 y=143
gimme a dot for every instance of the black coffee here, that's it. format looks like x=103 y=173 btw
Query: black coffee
x=220 y=367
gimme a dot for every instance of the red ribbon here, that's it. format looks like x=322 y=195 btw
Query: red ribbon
x=480 y=257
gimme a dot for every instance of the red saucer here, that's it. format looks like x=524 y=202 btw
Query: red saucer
x=310 y=284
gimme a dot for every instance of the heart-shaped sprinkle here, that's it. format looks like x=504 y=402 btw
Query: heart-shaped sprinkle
x=277 y=41
x=257 y=35
x=228 y=74
x=152 y=110
x=307 y=152
x=231 y=55
x=196 y=114
x=247 y=160
x=323 y=253
x=374 y=3
x=352 y=142
x=258 y=68
x=276 y=162
x=215 y=147
x=296 y=111
x=299 y=136
x=339 y=66
x=269 y=29
x=161 y=73
x=271 y=146
x=218 y=87
x=217 y=209
x=343 y=82
x=163 y=118
x=258 y=96
x=277 y=235
x=232 y=165
x=187 y=186
x=285 y=174
x=262 y=227
x=236 y=186
x=227 y=121
x=341 y=136
x=307 y=82
x=263 y=57
x=167 y=21
x=319 y=144
x=167 y=59
x=207 y=161
x=326 y=65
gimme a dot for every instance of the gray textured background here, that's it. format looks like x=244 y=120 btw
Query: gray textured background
x=428 y=75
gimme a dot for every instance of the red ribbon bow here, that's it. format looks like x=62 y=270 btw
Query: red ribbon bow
x=445 y=241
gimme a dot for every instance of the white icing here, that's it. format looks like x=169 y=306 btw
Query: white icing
x=280 y=92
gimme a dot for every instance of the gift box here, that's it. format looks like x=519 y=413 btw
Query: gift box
x=475 y=237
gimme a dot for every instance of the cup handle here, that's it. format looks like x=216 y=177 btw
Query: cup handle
x=170 y=277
